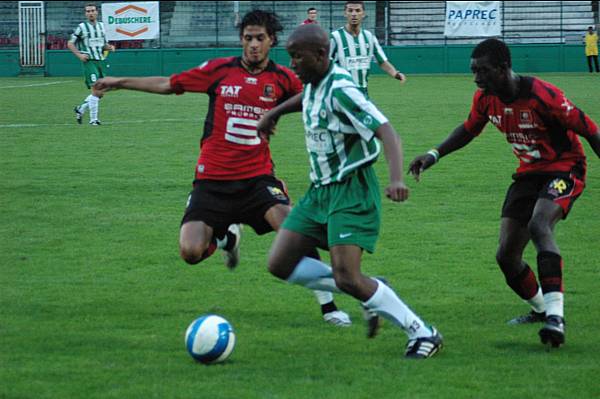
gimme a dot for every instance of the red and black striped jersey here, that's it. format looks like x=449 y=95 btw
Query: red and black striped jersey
x=541 y=125
x=230 y=148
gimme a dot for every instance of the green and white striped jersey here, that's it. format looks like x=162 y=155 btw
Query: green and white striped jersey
x=90 y=39
x=339 y=125
x=355 y=53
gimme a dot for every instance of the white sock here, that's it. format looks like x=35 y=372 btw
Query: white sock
x=554 y=303
x=537 y=302
x=323 y=297
x=314 y=274
x=85 y=105
x=93 y=103
x=386 y=303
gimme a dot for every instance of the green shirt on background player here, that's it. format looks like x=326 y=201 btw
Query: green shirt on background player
x=353 y=48
x=88 y=43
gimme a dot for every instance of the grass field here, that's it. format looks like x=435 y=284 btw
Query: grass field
x=94 y=300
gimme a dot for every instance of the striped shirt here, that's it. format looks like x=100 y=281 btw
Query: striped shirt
x=355 y=53
x=90 y=39
x=339 y=124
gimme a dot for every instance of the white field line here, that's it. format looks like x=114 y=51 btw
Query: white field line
x=37 y=84
x=132 y=122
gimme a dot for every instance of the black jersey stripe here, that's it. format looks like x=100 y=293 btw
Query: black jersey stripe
x=209 y=122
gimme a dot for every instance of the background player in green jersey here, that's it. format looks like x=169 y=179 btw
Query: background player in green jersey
x=341 y=209
x=353 y=47
x=88 y=43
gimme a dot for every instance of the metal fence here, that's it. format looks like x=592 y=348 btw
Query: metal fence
x=400 y=23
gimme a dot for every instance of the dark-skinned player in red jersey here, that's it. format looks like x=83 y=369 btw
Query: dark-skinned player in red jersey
x=235 y=182
x=542 y=126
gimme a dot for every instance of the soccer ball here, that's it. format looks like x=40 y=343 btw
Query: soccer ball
x=210 y=339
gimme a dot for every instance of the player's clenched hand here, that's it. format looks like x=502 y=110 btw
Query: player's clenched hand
x=419 y=164
x=397 y=191
x=266 y=126
x=106 y=84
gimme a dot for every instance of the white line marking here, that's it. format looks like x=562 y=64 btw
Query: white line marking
x=26 y=125
x=37 y=84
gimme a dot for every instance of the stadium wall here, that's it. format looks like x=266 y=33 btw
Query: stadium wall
x=410 y=59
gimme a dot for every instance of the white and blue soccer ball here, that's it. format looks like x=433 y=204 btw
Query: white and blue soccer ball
x=210 y=339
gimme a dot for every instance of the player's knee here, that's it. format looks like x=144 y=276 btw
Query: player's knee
x=345 y=281
x=276 y=267
x=192 y=254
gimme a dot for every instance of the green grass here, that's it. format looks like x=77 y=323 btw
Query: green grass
x=94 y=300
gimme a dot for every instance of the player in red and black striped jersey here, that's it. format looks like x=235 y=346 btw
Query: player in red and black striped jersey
x=230 y=146
x=234 y=178
x=543 y=128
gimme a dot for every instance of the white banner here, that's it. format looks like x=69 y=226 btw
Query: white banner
x=473 y=18
x=131 y=21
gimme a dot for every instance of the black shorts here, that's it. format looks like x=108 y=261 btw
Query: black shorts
x=561 y=188
x=220 y=203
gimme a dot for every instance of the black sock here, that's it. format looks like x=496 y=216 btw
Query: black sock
x=230 y=241
x=328 y=307
x=550 y=267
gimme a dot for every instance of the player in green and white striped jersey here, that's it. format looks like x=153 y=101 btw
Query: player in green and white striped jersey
x=341 y=209
x=354 y=48
x=88 y=43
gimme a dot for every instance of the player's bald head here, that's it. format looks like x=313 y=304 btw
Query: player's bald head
x=309 y=36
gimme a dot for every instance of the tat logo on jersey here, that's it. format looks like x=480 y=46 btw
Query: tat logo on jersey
x=230 y=91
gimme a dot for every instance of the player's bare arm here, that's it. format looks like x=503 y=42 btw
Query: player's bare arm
x=153 y=84
x=82 y=57
x=594 y=141
x=266 y=125
x=392 y=71
x=392 y=148
x=459 y=138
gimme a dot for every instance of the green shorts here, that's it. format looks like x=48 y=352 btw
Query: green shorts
x=94 y=70
x=345 y=213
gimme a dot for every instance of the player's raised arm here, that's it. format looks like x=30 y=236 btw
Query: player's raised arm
x=594 y=142
x=154 y=84
x=266 y=125
x=459 y=138
x=392 y=148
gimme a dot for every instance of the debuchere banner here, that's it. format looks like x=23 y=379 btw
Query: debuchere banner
x=131 y=21
x=473 y=19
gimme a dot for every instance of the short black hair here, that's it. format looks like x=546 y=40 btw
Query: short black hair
x=269 y=20
x=311 y=9
x=496 y=50
x=362 y=4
